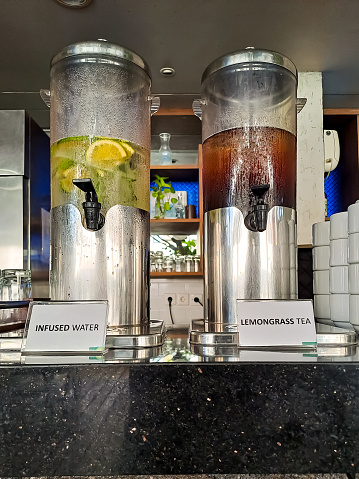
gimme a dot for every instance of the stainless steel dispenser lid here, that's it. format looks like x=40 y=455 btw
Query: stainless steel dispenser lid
x=250 y=55
x=101 y=47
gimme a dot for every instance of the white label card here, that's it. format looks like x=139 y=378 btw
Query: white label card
x=276 y=323
x=73 y=326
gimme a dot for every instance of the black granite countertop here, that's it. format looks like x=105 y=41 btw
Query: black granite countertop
x=181 y=413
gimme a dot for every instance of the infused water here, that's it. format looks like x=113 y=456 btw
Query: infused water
x=119 y=170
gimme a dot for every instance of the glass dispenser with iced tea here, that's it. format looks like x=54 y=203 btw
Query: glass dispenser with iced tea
x=248 y=111
x=100 y=162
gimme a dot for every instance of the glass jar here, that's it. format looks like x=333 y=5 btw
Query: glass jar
x=196 y=262
x=159 y=264
x=178 y=264
x=169 y=264
x=189 y=266
x=15 y=284
x=153 y=264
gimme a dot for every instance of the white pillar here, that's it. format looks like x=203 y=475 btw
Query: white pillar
x=310 y=157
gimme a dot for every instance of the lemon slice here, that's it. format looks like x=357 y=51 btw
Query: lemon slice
x=128 y=148
x=106 y=154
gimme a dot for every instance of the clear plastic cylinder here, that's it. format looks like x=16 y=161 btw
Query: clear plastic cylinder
x=100 y=125
x=249 y=130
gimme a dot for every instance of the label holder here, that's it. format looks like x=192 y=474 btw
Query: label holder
x=68 y=317
x=261 y=322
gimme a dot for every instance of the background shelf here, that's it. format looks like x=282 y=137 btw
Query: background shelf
x=171 y=274
x=176 y=172
x=175 y=226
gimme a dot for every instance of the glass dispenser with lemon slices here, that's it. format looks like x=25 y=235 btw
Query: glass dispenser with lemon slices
x=100 y=173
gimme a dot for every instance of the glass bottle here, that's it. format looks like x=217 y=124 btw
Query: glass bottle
x=179 y=207
x=165 y=150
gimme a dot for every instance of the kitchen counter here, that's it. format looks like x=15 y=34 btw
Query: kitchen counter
x=180 y=413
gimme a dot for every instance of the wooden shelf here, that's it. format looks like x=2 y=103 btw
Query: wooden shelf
x=176 y=172
x=175 y=226
x=171 y=274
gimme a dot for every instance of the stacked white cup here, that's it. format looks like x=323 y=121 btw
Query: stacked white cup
x=353 y=260
x=339 y=270
x=321 y=251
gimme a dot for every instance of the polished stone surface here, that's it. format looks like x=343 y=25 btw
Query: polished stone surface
x=173 y=414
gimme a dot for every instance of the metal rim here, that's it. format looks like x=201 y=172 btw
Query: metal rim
x=249 y=55
x=101 y=47
x=74 y=3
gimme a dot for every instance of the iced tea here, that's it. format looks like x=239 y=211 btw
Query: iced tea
x=236 y=159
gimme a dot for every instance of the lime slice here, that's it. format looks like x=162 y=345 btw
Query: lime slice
x=106 y=154
x=66 y=182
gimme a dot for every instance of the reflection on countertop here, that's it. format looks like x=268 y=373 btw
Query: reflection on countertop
x=177 y=349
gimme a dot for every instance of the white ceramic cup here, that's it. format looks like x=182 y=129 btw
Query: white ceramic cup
x=354 y=309
x=338 y=252
x=339 y=279
x=321 y=282
x=321 y=306
x=339 y=225
x=353 y=277
x=339 y=308
x=320 y=258
x=353 y=248
x=353 y=218
x=321 y=233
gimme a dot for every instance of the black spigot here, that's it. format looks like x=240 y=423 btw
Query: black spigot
x=94 y=219
x=256 y=220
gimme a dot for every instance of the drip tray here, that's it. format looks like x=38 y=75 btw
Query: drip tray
x=136 y=337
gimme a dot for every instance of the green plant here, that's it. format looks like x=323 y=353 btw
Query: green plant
x=189 y=247
x=161 y=191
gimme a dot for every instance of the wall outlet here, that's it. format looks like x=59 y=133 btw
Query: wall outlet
x=196 y=303
x=182 y=299
x=170 y=295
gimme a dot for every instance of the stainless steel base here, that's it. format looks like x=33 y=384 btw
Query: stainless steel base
x=217 y=353
x=200 y=334
x=346 y=338
x=134 y=355
x=112 y=263
x=135 y=338
x=242 y=264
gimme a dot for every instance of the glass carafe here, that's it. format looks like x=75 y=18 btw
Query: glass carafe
x=165 y=150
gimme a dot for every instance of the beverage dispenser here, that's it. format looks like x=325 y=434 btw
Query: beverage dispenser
x=248 y=112
x=100 y=175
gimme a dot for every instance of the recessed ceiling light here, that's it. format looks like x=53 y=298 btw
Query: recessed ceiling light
x=74 y=3
x=167 y=71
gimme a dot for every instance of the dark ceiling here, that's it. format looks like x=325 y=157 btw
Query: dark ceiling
x=317 y=35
